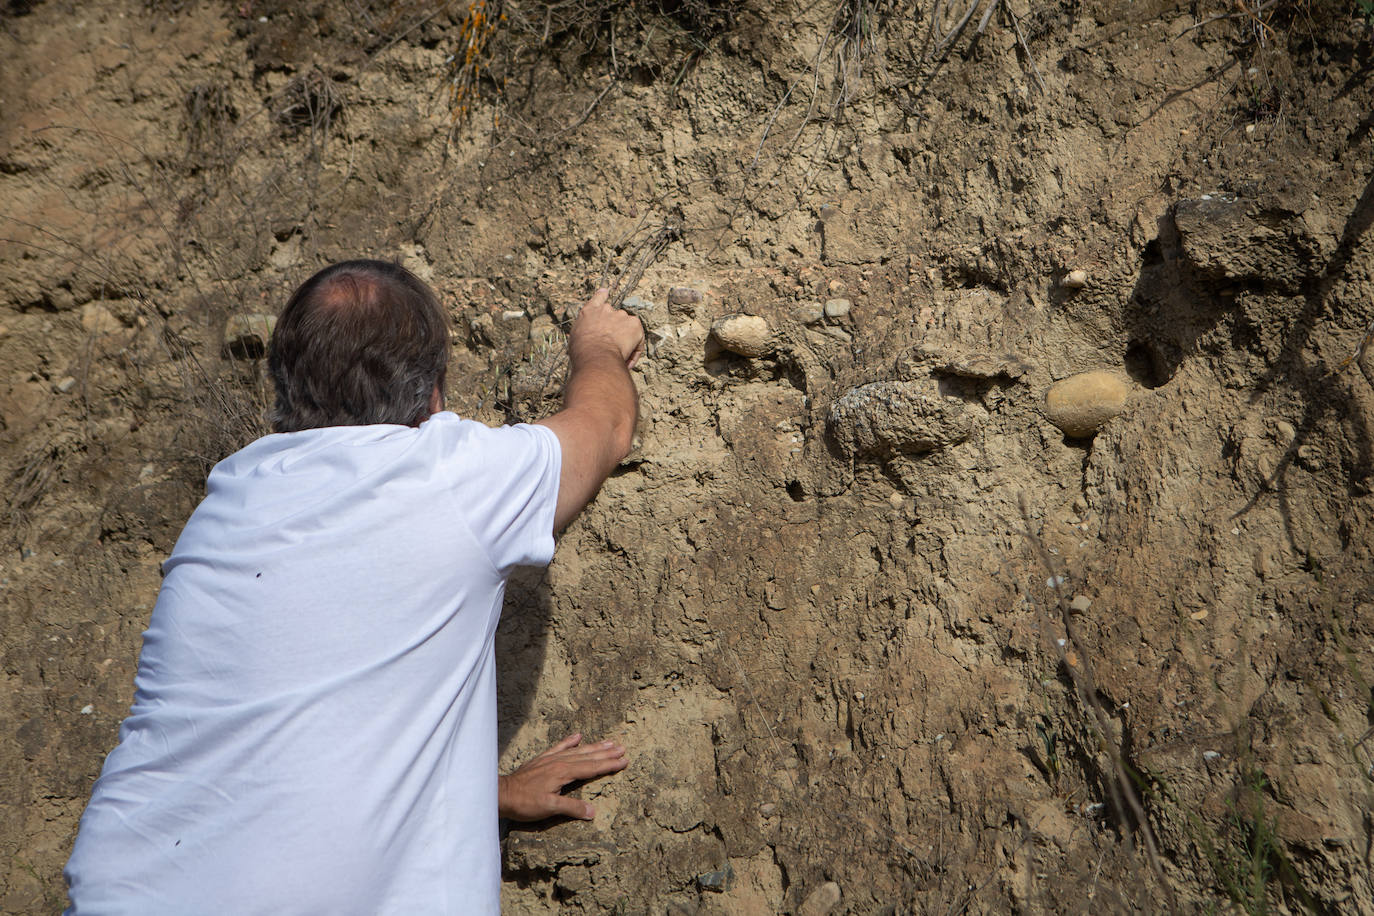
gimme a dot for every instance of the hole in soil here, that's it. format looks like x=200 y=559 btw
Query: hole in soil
x=794 y=490
x=1142 y=364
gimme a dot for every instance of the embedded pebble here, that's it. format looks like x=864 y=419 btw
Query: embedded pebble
x=683 y=295
x=512 y=314
x=821 y=901
x=809 y=313
x=66 y=384
x=747 y=335
x=983 y=365
x=1074 y=279
x=1080 y=604
x=836 y=309
x=1081 y=404
x=767 y=809
x=720 y=881
x=97 y=319
x=897 y=418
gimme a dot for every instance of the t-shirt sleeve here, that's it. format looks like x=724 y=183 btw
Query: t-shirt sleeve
x=510 y=493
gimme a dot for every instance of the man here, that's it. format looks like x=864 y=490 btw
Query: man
x=314 y=725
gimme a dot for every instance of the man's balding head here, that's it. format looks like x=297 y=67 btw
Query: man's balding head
x=359 y=342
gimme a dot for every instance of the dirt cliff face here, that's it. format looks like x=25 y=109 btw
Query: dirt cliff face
x=880 y=634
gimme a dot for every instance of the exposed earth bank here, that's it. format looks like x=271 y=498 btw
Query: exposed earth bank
x=998 y=531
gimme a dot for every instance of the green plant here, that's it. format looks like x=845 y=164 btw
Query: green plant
x=1248 y=856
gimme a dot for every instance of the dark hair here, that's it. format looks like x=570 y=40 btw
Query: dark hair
x=359 y=342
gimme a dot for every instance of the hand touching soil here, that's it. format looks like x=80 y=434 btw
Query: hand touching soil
x=534 y=791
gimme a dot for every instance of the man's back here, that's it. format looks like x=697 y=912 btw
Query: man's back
x=314 y=726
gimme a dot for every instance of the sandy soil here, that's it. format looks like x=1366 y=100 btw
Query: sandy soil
x=880 y=635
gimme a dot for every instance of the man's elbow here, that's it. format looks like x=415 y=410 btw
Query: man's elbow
x=623 y=437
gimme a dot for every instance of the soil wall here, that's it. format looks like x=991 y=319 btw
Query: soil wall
x=880 y=635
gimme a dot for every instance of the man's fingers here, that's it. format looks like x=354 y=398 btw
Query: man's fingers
x=569 y=742
x=603 y=747
x=570 y=807
x=591 y=767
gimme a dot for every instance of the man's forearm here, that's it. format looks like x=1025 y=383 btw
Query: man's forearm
x=600 y=388
x=596 y=426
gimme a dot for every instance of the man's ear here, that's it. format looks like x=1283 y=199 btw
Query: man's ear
x=436 y=401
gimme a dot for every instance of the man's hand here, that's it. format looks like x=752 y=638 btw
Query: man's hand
x=534 y=791
x=597 y=323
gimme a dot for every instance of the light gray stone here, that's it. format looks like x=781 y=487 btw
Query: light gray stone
x=821 y=901
x=747 y=335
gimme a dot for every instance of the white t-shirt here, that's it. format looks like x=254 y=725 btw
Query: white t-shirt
x=314 y=726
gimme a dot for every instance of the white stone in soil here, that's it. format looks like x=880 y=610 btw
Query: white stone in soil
x=746 y=335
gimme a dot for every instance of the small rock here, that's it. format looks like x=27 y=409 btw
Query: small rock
x=512 y=314
x=809 y=313
x=543 y=329
x=66 y=384
x=767 y=809
x=97 y=319
x=1310 y=458
x=836 y=309
x=747 y=335
x=836 y=287
x=821 y=901
x=897 y=418
x=246 y=336
x=1080 y=604
x=1074 y=279
x=573 y=879
x=682 y=297
x=719 y=881
x=637 y=304
x=1081 y=404
x=984 y=366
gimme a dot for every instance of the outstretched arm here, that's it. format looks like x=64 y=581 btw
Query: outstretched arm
x=535 y=790
x=600 y=404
